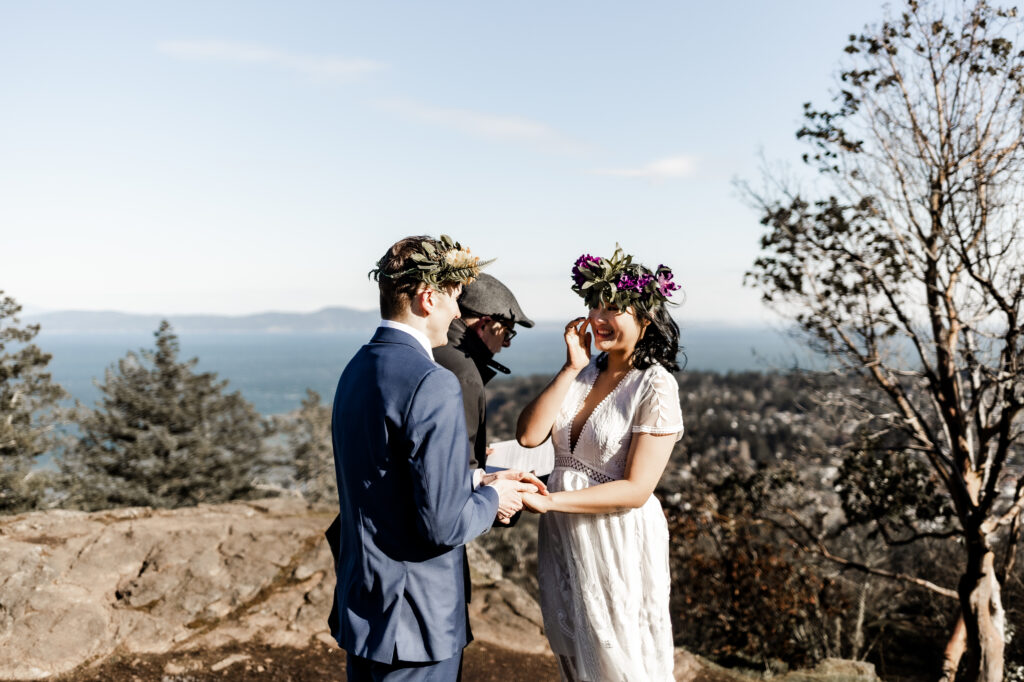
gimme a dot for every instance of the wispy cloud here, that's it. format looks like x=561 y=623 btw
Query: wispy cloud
x=324 y=67
x=486 y=125
x=662 y=169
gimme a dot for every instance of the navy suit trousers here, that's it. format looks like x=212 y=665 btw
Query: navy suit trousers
x=364 y=670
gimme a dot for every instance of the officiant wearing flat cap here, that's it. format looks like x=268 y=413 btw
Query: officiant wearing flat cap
x=489 y=314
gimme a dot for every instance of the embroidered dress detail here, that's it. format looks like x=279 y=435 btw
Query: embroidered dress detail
x=573 y=463
x=659 y=413
x=604 y=578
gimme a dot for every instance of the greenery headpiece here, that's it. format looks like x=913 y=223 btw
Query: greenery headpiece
x=438 y=264
x=618 y=281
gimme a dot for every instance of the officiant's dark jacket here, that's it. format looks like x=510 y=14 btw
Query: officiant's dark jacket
x=407 y=505
x=467 y=356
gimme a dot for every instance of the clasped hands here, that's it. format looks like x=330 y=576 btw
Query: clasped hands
x=510 y=486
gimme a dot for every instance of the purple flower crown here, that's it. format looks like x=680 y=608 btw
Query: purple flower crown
x=620 y=282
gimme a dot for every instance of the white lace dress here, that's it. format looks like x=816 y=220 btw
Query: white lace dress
x=604 y=578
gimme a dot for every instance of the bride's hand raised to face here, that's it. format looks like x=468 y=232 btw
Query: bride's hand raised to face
x=577 y=343
x=537 y=418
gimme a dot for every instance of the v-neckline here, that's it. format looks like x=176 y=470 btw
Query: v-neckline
x=583 y=400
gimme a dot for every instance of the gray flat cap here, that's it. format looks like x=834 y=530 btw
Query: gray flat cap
x=487 y=296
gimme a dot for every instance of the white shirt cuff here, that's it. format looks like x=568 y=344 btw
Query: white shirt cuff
x=478 y=475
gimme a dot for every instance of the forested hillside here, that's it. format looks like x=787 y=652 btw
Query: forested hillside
x=792 y=538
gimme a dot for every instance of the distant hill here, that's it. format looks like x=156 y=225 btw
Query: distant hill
x=331 y=320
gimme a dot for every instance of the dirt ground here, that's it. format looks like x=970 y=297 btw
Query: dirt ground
x=253 y=662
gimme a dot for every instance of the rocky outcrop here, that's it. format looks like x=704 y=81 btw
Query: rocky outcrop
x=76 y=588
x=692 y=668
x=834 y=670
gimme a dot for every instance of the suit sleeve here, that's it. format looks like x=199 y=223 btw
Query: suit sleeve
x=449 y=512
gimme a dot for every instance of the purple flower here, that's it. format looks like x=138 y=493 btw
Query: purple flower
x=630 y=283
x=665 y=284
x=586 y=261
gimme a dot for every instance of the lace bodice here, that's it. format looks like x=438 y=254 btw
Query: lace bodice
x=644 y=401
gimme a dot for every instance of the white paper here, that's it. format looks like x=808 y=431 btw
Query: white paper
x=508 y=454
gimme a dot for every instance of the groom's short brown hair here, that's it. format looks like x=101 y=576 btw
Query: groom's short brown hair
x=396 y=292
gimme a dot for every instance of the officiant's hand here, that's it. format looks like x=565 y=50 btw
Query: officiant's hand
x=577 y=344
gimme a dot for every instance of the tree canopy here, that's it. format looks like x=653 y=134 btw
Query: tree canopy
x=163 y=435
x=307 y=450
x=28 y=403
x=905 y=263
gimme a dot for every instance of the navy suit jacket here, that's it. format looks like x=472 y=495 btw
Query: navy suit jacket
x=407 y=504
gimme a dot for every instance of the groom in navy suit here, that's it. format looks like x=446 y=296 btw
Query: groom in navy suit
x=408 y=500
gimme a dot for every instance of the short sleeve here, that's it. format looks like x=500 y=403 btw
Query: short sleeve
x=659 y=411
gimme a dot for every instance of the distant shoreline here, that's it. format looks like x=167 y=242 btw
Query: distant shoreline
x=273 y=369
x=330 y=320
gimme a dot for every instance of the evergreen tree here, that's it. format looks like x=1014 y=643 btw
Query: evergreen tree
x=309 y=453
x=28 y=398
x=164 y=436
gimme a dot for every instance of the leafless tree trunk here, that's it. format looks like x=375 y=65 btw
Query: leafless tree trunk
x=954 y=651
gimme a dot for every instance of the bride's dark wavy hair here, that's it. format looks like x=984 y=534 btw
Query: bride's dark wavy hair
x=658 y=345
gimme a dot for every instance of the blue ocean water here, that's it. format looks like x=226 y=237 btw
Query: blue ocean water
x=273 y=371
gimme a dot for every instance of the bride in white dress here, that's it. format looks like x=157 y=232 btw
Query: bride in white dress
x=613 y=418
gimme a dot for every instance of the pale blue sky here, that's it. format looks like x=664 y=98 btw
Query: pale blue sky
x=236 y=157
